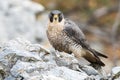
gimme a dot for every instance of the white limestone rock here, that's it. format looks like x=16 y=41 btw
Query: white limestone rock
x=18 y=19
x=115 y=73
x=19 y=59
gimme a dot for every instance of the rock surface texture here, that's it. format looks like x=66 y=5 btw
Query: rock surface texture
x=18 y=19
x=21 y=60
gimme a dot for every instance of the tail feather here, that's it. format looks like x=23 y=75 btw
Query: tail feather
x=96 y=53
x=93 y=59
x=99 y=62
x=100 y=54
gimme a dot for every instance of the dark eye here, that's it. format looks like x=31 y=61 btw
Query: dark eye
x=51 y=17
x=60 y=17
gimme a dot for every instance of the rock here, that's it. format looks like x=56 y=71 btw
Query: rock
x=18 y=59
x=16 y=50
x=67 y=74
x=89 y=70
x=18 y=19
x=115 y=73
x=21 y=60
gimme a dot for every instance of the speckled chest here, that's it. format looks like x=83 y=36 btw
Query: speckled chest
x=58 y=38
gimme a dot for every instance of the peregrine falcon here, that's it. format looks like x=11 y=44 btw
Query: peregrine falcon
x=64 y=35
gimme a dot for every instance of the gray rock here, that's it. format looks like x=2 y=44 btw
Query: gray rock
x=19 y=59
x=115 y=73
x=18 y=19
x=115 y=70
x=89 y=70
x=67 y=74
x=10 y=78
x=19 y=50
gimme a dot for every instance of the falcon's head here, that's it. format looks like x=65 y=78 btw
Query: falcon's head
x=56 y=16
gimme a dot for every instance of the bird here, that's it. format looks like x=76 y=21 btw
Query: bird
x=66 y=36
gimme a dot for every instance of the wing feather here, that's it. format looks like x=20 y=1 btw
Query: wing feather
x=74 y=32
